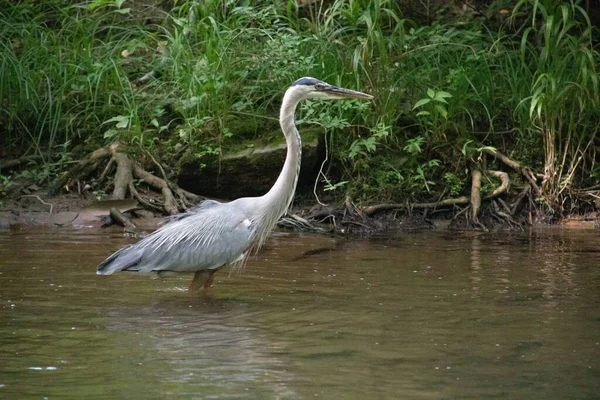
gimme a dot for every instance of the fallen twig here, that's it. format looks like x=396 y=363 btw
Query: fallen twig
x=109 y=165
x=160 y=167
x=119 y=217
x=296 y=222
x=67 y=223
x=352 y=209
x=136 y=195
x=42 y=201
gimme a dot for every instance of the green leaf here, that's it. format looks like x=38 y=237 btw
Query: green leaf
x=95 y=4
x=442 y=94
x=465 y=146
x=488 y=148
x=420 y=113
x=121 y=120
x=370 y=144
x=442 y=111
x=534 y=101
x=421 y=102
x=354 y=149
x=329 y=186
x=111 y=133
x=431 y=93
x=118 y=118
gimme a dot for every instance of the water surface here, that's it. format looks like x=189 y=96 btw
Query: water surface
x=432 y=315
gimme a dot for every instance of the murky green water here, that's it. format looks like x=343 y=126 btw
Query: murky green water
x=419 y=316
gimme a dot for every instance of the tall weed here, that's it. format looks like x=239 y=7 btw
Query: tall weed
x=560 y=100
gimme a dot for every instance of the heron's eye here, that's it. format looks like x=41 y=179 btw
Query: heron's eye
x=319 y=86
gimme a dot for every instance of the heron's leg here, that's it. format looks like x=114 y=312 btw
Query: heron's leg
x=199 y=277
x=209 y=281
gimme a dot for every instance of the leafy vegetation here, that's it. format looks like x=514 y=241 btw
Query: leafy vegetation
x=522 y=80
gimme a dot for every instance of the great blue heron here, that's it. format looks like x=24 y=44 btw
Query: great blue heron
x=215 y=234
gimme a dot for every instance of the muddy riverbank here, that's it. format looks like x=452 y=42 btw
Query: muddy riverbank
x=37 y=208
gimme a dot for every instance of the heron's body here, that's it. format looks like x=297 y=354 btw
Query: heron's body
x=216 y=234
x=204 y=249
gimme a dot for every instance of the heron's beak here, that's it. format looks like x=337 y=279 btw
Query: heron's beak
x=335 y=92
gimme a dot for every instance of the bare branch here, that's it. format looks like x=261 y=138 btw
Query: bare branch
x=42 y=201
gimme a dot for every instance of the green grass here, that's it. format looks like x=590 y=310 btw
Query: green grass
x=560 y=101
x=528 y=86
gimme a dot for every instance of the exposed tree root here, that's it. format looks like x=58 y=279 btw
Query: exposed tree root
x=348 y=219
x=372 y=210
x=85 y=167
x=174 y=199
x=170 y=205
x=476 y=184
x=526 y=172
x=499 y=210
x=475 y=194
x=474 y=201
x=504 y=182
x=124 y=173
x=295 y=222
x=6 y=164
x=524 y=194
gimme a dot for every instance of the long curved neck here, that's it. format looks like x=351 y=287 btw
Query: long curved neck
x=277 y=200
x=282 y=192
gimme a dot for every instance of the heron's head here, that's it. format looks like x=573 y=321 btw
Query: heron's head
x=311 y=88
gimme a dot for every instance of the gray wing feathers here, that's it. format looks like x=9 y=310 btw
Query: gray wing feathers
x=125 y=257
x=216 y=235
x=194 y=210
